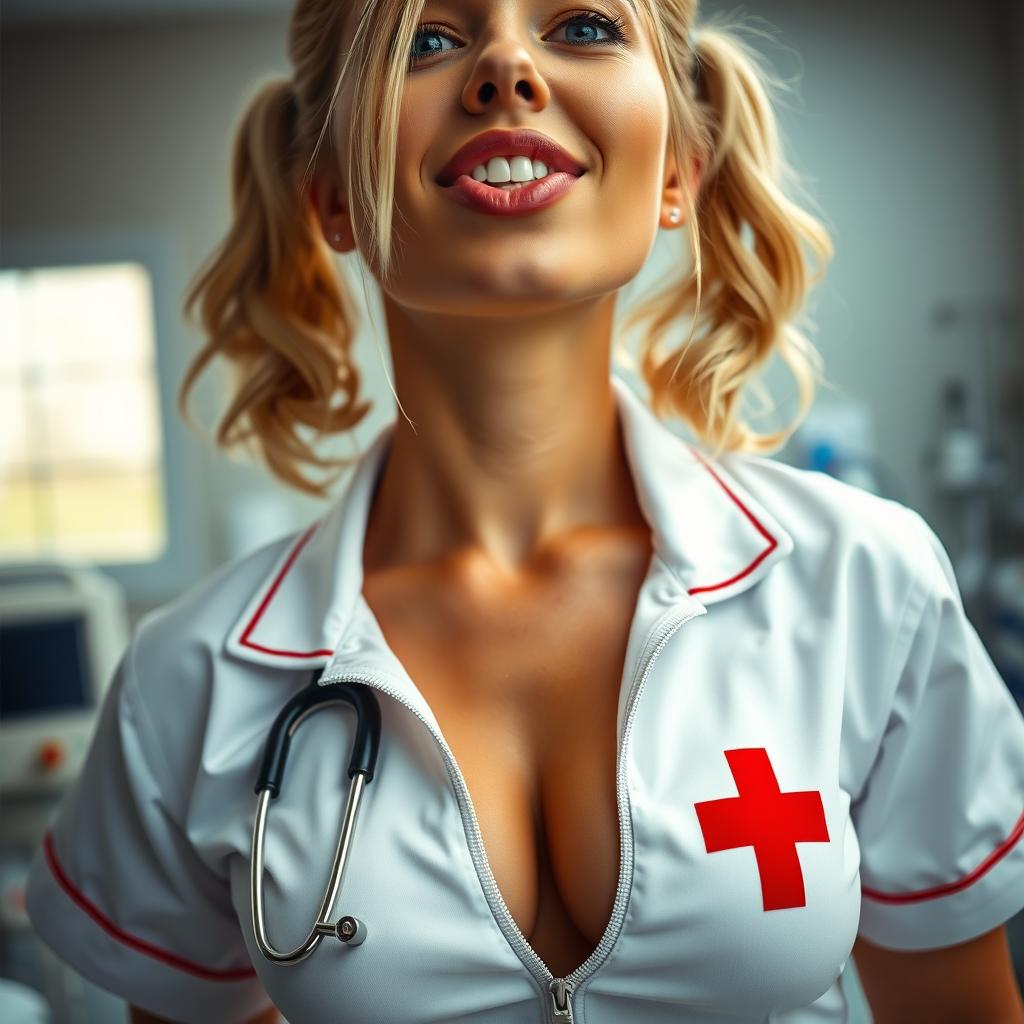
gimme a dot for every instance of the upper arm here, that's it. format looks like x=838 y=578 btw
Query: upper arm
x=968 y=983
x=119 y=889
x=939 y=817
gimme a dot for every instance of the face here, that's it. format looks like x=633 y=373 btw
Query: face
x=582 y=73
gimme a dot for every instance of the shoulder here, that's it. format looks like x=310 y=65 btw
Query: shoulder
x=197 y=622
x=811 y=501
x=187 y=698
x=842 y=534
x=177 y=647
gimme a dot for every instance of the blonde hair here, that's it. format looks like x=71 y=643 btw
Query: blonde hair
x=272 y=303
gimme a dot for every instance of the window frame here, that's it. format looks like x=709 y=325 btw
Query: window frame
x=156 y=247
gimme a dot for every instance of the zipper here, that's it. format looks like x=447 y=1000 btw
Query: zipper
x=561 y=1001
x=560 y=990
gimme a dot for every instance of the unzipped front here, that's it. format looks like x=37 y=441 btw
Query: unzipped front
x=557 y=991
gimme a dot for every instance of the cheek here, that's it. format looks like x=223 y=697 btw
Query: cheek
x=631 y=131
x=427 y=117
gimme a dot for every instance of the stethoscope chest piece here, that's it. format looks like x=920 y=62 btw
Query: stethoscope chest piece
x=350 y=930
x=362 y=764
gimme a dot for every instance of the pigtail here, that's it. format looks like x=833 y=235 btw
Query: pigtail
x=741 y=300
x=271 y=302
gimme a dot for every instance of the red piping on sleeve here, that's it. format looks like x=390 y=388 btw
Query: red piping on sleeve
x=772 y=542
x=139 y=945
x=960 y=883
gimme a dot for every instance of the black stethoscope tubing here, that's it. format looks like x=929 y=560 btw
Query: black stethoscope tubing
x=361 y=767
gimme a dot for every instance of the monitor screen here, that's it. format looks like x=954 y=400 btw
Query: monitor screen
x=44 y=666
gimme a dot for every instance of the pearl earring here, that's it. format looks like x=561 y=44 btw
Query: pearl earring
x=673 y=215
x=337 y=236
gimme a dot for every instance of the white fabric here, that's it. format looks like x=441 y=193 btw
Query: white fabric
x=20 y=1004
x=804 y=634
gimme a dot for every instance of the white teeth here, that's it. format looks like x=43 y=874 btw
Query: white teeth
x=498 y=170
x=520 y=168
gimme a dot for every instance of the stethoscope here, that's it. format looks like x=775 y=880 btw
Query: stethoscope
x=360 y=770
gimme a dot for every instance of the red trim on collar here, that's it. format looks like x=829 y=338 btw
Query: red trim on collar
x=772 y=542
x=957 y=884
x=139 y=945
x=244 y=641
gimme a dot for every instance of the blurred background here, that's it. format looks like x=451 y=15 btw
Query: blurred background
x=906 y=124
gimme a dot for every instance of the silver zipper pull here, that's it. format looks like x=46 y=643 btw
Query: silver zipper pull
x=561 y=1000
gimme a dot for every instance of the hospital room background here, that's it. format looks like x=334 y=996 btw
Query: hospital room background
x=905 y=122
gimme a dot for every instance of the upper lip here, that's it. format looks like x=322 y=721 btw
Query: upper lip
x=508 y=142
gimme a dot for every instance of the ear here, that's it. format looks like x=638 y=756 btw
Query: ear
x=673 y=196
x=328 y=198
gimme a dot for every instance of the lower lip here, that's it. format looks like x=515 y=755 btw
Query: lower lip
x=536 y=195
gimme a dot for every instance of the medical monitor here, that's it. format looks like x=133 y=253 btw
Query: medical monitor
x=62 y=630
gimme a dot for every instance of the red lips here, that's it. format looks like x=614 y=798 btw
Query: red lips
x=508 y=142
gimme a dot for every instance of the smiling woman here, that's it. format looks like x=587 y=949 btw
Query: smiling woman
x=665 y=734
x=630 y=88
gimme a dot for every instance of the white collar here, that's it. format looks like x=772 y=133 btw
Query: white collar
x=712 y=534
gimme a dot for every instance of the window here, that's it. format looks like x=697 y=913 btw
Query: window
x=81 y=467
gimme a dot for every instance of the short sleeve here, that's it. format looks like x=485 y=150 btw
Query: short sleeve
x=939 y=820
x=117 y=890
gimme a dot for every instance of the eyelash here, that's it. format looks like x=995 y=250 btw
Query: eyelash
x=613 y=26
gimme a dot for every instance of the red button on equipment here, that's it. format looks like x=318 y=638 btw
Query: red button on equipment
x=51 y=755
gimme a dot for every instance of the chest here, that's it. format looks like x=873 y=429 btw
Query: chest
x=734 y=722
x=526 y=693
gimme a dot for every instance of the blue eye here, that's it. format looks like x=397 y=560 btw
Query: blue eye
x=425 y=32
x=593 y=20
x=590 y=19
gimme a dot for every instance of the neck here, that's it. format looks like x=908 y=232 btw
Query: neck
x=514 y=449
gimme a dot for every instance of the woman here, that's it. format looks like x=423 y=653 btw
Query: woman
x=666 y=734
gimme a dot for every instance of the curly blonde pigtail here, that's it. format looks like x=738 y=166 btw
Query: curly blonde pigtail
x=718 y=96
x=272 y=303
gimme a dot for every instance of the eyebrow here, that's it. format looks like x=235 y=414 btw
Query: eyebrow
x=632 y=7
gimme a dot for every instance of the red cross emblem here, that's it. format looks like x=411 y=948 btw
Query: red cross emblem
x=770 y=821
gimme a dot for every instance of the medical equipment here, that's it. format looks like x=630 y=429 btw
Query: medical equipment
x=969 y=460
x=62 y=629
x=362 y=764
x=1006 y=593
x=837 y=437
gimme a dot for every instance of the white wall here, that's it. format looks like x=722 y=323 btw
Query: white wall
x=902 y=123
x=903 y=126
x=1012 y=23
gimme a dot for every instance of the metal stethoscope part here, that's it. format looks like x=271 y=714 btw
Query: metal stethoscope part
x=362 y=764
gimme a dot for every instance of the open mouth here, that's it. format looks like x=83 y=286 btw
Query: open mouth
x=509 y=157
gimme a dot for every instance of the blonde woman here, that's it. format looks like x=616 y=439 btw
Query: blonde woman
x=668 y=730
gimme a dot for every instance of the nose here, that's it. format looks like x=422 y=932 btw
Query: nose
x=505 y=78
